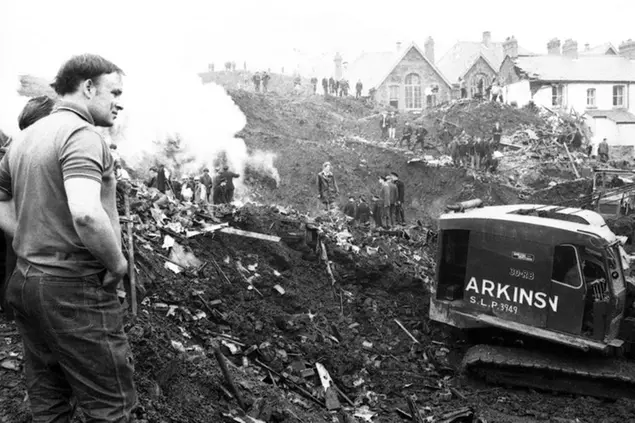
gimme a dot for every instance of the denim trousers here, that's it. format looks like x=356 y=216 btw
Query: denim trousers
x=75 y=348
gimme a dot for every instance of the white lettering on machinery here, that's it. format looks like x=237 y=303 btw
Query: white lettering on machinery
x=519 y=295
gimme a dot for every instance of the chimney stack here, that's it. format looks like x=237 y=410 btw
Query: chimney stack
x=553 y=47
x=398 y=45
x=510 y=47
x=570 y=48
x=627 y=49
x=429 y=49
x=487 y=38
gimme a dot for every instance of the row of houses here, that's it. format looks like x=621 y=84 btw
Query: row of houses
x=598 y=82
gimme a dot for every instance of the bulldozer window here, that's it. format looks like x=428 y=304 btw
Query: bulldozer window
x=453 y=264
x=566 y=266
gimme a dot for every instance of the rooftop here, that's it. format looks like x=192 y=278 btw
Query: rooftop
x=460 y=58
x=617 y=116
x=586 y=68
x=605 y=48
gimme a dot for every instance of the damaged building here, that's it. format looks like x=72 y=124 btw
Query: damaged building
x=405 y=78
x=600 y=86
x=478 y=62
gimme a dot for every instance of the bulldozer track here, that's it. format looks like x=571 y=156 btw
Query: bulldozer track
x=603 y=377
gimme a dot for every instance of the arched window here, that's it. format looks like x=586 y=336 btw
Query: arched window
x=413 y=91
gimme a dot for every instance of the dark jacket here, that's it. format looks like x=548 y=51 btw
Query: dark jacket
x=401 y=189
x=350 y=209
x=392 y=121
x=407 y=131
x=393 y=193
x=383 y=121
x=420 y=133
x=363 y=212
x=206 y=180
x=228 y=176
x=327 y=187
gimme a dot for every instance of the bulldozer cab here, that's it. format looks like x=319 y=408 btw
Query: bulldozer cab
x=558 y=277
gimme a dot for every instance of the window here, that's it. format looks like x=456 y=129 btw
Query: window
x=566 y=269
x=413 y=91
x=431 y=100
x=590 y=97
x=618 y=95
x=556 y=95
x=394 y=96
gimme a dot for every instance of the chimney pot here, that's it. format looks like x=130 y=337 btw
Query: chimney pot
x=398 y=45
x=429 y=49
x=487 y=37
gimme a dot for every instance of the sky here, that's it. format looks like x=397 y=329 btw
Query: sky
x=36 y=36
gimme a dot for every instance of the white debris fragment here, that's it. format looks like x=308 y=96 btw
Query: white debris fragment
x=280 y=289
x=252 y=267
x=178 y=346
x=276 y=273
x=365 y=413
x=168 y=242
x=233 y=348
x=171 y=311
x=173 y=267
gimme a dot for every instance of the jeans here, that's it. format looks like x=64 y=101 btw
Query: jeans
x=74 y=345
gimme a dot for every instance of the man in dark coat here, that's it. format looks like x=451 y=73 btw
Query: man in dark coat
x=350 y=209
x=228 y=177
x=401 y=190
x=378 y=209
x=314 y=82
x=206 y=180
x=497 y=133
x=218 y=188
x=603 y=151
x=325 y=86
x=363 y=211
x=420 y=135
x=332 y=85
x=358 y=88
x=327 y=187
x=406 y=135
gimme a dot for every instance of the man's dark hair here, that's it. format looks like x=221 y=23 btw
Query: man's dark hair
x=394 y=174
x=80 y=68
x=35 y=109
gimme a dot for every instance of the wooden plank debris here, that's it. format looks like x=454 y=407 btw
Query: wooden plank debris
x=249 y=234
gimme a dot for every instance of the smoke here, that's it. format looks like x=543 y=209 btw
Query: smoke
x=177 y=121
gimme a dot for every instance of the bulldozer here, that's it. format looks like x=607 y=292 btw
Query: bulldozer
x=544 y=293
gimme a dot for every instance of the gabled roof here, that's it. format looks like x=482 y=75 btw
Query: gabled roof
x=606 y=48
x=460 y=58
x=373 y=68
x=583 y=69
x=617 y=116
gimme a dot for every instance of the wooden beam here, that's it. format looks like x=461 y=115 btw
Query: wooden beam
x=256 y=235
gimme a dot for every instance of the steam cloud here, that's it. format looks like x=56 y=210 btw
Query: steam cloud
x=179 y=122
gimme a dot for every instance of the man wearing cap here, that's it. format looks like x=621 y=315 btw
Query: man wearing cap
x=206 y=180
x=228 y=176
x=327 y=187
x=218 y=195
x=362 y=214
x=400 y=216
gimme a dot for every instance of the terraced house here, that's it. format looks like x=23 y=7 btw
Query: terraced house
x=601 y=86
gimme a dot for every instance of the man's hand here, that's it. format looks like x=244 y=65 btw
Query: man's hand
x=113 y=278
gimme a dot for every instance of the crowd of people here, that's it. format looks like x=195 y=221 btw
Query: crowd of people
x=386 y=209
x=216 y=189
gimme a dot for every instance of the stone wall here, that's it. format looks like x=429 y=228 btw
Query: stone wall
x=480 y=69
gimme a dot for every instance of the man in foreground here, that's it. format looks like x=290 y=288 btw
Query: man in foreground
x=68 y=242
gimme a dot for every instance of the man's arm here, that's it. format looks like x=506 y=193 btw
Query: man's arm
x=92 y=223
x=8 y=218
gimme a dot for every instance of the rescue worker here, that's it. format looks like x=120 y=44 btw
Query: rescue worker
x=314 y=82
x=362 y=214
x=455 y=152
x=603 y=151
x=358 y=89
x=392 y=125
x=350 y=209
x=218 y=194
x=35 y=109
x=400 y=216
x=325 y=86
x=377 y=211
x=497 y=133
x=265 y=81
x=206 y=180
x=383 y=125
x=420 y=136
x=406 y=135
x=332 y=85
x=121 y=174
x=151 y=182
x=462 y=88
x=327 y=186
x=256 y=79
x=228 y=176
x=61 y=177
